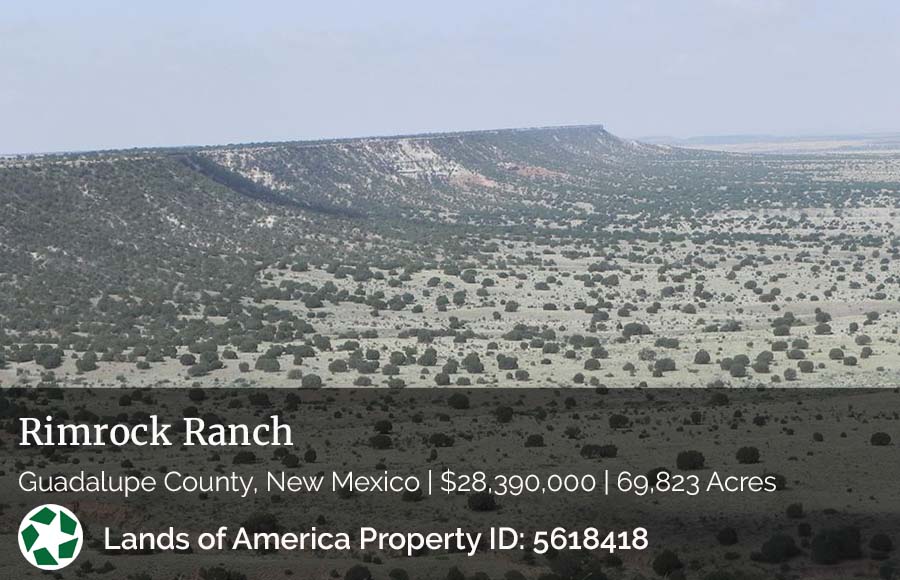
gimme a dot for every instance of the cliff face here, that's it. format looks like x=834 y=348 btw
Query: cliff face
x=439 y=175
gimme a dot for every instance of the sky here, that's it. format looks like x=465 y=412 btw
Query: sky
x=115 y=74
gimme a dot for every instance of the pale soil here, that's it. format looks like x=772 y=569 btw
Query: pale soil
x=802 y=270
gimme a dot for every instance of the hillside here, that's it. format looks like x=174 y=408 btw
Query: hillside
x=573 y=242
x=445 y=175
x=138 y=217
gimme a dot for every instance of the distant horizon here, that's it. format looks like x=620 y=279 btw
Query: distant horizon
x=395 y=135
x=650 y=139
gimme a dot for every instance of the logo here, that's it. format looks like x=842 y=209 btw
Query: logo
x=50 y=537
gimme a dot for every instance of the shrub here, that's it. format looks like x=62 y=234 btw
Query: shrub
x=261 y=522
x=664 y=365
x=428 y=358
x=248 y=346
x=503 y=414
x=666 y=563
x=269 y=365
x=380 y=441
x=832 y=546
x=49 y=358
x=440 y=440
x=358 y=572
x=244 y=458
x=747 y=455
x=599 y=352
x=592 y=364
x=458 y=401
x=398 y=574
x=727 y=536
x=473 y=364
x=338 y=366
x=617 y=421
x=482 y=502
x=794 y=511
x=304 y=351
x=311 y=381
x=880 y=439
x=690 y=460
x=87 y=363
x=635 y=329
x=881 y=543
x=653 y=476
x=667 y=342
x=290 y=460
x=761 y=367
x=780 y=480
x=779 y=548
x=507 y=363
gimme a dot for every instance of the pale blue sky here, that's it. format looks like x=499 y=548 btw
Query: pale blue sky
x=103 y=74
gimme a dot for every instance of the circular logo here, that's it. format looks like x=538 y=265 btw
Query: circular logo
x=50 y=537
